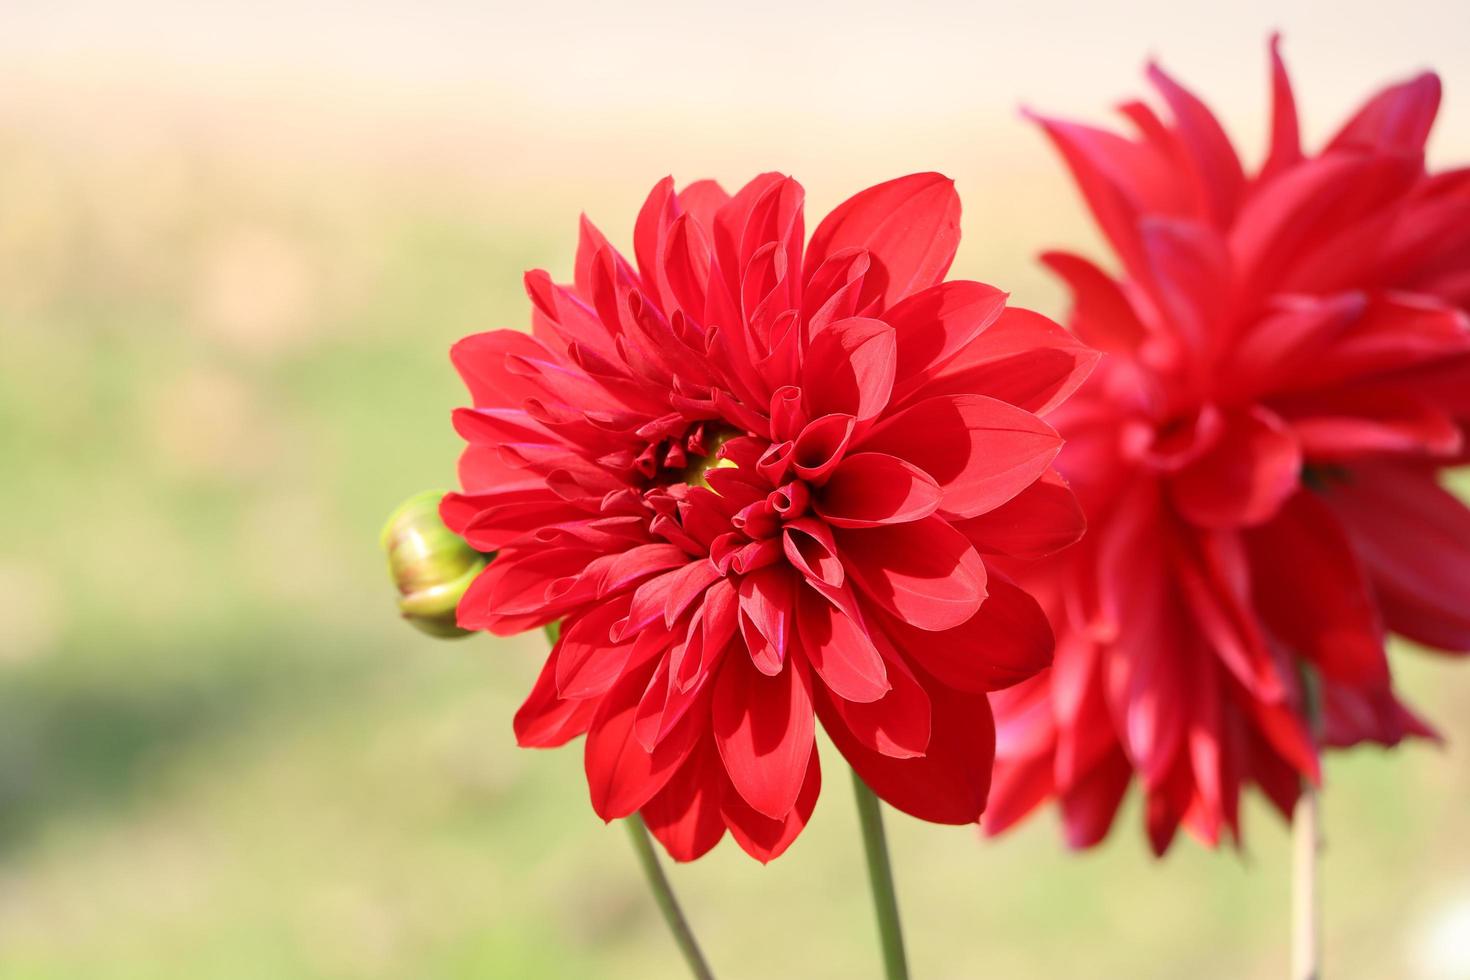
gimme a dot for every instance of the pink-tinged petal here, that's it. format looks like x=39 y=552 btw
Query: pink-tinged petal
x=588 y=662
x=622 y=776
x=1114 y=176
x=949 y=783
x=1189 y=277
x=932 y=326
x=980 y=450
x=910 y=227
x=1216 y=167
x=821 y=446
x=546 y=721
x=1243 y=478
x=1414 y=538
x=685 y=815
x=1391 y=332
x=1344 y=425
x=1089 y=805
x=764 y=728
x=1101 y=314
x=1398 y=119
x=762 y=837
x=840 y=650
x=849 y=369
x=1039 y=521
x=1311 y=590
x=925 y=573
x=767 y=610
x=1286 y=223
x=868 y=489
x=896 y=725
x=1006 y=642
x=1286 y=144
x=1213 y=576
x=1017 y=788
x=1024 y=359
x=702 y=200
x=650 y=235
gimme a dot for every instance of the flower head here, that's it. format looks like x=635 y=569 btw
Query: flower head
x=1287 y=370
x=754 y=475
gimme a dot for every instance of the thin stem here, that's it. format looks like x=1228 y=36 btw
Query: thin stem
x=880 y=876
x=658 y=883
x=1306 y=833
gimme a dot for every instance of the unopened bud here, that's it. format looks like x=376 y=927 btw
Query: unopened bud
x=431 y=565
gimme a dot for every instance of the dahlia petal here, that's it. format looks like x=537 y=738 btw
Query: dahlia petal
x=1113 y=176
x=1089 y=805
x=1286 y=146
x=925 y=573
x=510 y=594
x=909 y=226
x=764 y=729
x=588 y=662
x=868 y=489
x=1290 y=219
x=621 y=775
x=897 y=724
x=767 y=601
x=840 y=650
x=685 y=814
x=1216 y=166
x=821 y=446
x=1189 y=276
x=1023 y=358
x=1006 y=642
x=980 y=450
x=1343 y=425
x=812 y=550
x=1017 y=788
x=480 y=360
x=849 y=369
x=932 y=326
x=1244 y=477
x=949 y=783
x=1414 y=539
x=1397 y=119
x=1039 y=521
x=650 y=234
x=1311 y=590
x=1214 y=579
x=763 y=837
x=545 y=720
x=1101 y=314
x=702 y=199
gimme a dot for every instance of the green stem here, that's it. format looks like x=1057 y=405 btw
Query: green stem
x=658 y=883
x=880 y=876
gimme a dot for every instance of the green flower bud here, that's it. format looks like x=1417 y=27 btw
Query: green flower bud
x=431 y=565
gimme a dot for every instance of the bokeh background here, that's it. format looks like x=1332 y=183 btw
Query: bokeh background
x=236 y=240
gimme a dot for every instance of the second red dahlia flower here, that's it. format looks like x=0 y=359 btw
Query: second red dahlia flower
x=1287 y=372
x=756 y=478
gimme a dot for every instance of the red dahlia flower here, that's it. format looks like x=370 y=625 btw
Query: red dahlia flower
x=753 y=477
x=1287 y=369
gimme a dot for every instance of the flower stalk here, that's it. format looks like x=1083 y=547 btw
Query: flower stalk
x=1306 y=833
x=663 y=894
x=880 y=877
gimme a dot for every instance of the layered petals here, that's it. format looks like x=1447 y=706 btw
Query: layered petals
x=752 y=477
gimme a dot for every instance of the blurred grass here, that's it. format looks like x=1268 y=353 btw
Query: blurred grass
x=221 y=757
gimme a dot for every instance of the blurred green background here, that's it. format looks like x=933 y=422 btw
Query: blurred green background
x=235 y=244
